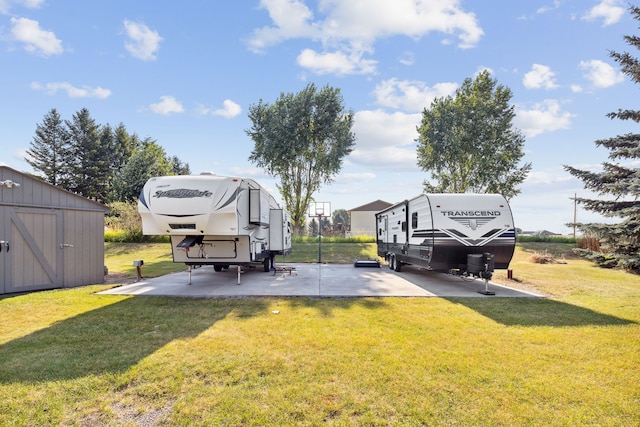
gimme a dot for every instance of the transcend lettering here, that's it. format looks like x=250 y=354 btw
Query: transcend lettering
x=182 y=193
x=471 y=213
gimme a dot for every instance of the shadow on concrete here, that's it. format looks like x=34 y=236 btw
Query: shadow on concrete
x=538 y=312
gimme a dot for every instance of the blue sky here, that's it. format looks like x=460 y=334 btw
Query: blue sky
x=184 y=73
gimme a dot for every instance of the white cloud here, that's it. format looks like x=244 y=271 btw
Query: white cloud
x=229 y=110
x=357 y=177
x=601 y=74
x=143 y=42
x=35 y=39
x=543 y=117
x=548 y=8
x=291 y=21
x=410 y=95
x=609 y=10
x=167 y=105
x=338 y=63
x=5 y=5
x=540 y=77
x=72 y=91
x=385 y=140
x=346 y=29
x=545 y=177
x=407 y=58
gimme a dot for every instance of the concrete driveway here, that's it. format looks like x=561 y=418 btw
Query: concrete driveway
x=315 y=280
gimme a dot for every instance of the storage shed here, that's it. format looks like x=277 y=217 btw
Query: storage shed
x=49 y=237
x=362 y=219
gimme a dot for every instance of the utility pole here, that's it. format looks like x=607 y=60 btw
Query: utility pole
x=575 y=209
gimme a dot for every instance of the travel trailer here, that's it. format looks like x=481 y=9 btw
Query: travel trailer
x=467 y=234
x=215 y=220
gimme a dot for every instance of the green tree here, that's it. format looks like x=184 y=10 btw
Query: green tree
x=179 y=167
x=618 y=185
x=340 y=219
x=147 y=161
x=468 y=143
x=301 y=139
x=49 y=149
x=91 y=157
x=124 y=146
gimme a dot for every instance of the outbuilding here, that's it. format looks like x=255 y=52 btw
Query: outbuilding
x=49 y=237
x=362 y=219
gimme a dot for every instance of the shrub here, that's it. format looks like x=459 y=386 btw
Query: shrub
x=545 y=258
x=546 y=239
x=588 y=242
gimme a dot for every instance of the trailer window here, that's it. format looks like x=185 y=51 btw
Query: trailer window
x=404 y=225
x=414 y=220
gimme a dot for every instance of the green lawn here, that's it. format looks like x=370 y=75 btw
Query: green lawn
x=71 y=357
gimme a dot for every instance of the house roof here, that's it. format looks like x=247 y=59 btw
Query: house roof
x=376 y=206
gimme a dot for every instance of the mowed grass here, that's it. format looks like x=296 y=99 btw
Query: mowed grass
x=72 y=357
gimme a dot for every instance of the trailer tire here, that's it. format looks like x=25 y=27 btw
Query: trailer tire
x=391 y=260
x=397 y=265
x=217 y=268
x=266 y=265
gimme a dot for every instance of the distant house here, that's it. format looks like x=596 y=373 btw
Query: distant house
x=49 y=238
x=362 y=219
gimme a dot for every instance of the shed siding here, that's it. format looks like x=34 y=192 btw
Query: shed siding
x=40 y=220
x=84 y=262
x=363 y=223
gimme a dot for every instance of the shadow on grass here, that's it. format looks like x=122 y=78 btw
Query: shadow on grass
x=113 y=338
x=538 y=312
x=326 y=306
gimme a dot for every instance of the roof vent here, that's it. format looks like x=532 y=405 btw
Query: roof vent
x=207 y=173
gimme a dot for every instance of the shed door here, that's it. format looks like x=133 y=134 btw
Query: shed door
x=33 y=256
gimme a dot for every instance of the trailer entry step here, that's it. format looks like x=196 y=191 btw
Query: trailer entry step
x=189 y=241
x=368 y=263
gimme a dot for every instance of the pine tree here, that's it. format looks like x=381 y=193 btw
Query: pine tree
x=618 y=182
x=125 y=146
x=90 y=163
x=49 y=149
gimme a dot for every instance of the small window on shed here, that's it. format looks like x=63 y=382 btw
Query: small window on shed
x=414 y=220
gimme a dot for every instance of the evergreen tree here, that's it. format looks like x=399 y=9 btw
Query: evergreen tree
x=178 y=167
x=90 y=161
x=49 y=150
x=124 y=147
x=618 y=181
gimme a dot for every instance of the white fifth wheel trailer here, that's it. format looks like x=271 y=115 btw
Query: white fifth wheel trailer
x=468 y=234
x=215 y=220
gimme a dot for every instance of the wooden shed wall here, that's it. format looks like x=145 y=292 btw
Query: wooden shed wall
x=62 y=229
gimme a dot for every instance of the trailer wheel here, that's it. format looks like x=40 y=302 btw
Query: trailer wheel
x=217 y=268
x=397 y=265
x=266 y=265
x=391 y=260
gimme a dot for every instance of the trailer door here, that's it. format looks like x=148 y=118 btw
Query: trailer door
x=382 y=225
